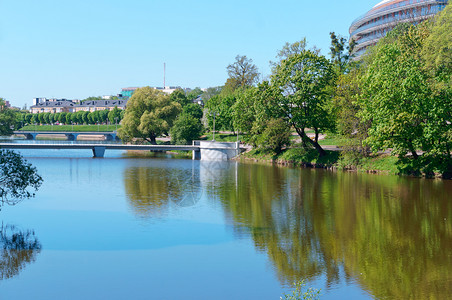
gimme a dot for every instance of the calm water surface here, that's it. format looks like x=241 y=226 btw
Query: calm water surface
x=156 y=228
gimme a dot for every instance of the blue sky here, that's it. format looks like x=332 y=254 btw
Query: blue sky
x=76 y=49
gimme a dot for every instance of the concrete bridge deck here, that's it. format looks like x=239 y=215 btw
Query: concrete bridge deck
x=211 y=150
x=70 y=135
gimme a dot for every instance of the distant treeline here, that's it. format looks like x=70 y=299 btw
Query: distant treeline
x=113 y=116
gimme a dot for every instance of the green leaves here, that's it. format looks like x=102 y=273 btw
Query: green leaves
x=7 y=119
x=16 y=177
x=186 y=129
x=300 y=92
x=149 y=114
x=407 y=107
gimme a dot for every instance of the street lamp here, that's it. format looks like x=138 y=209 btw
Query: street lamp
x=116 y=123
x=214 y=113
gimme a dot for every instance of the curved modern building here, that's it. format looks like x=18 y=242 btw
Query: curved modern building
x=369 y=28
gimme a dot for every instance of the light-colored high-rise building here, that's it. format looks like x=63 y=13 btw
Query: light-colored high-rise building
x=383 y=17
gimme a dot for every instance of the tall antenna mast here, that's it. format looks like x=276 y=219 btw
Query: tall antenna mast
x=164 y=74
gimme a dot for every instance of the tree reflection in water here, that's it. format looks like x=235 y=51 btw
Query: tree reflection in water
x=18 y=248
x=392 y=235
x=151 y=191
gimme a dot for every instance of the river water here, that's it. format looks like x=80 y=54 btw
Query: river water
x=124 y=227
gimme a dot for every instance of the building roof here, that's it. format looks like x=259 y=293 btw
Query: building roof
x=382 y=2
x=89 y=103
x=64 y=103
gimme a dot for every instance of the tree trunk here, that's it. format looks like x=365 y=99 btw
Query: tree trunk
x=305 y=138
x=152 y=140
x=316 y=135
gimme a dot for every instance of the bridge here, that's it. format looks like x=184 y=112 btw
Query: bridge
x=203 y=150
x=70 y=135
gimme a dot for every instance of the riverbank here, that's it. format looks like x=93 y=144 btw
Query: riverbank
x=382 y=163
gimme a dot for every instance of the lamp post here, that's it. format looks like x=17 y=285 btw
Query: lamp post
x=116 y=124
x=214 y=113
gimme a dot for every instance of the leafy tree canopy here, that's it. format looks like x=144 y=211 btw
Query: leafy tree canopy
x=437 y=50
x=300 y=92
x=341 y=53
x=186 y=129
x=16 y=177
x=180 y=97
x=149 y=114
x=194 y=110
x=7 y=119
x=242 y=73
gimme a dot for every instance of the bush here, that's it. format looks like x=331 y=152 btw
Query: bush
x=185 y=129
x=275 y=136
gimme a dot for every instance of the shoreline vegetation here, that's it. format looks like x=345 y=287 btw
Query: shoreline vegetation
x=338 y=159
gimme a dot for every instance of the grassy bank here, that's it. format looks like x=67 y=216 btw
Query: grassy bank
x=222 y=137
x=381 y=163
x=74 y=128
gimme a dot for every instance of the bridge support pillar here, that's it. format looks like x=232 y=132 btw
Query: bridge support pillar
x=98 y=151
x=71 y=136
x=110 y=137
x=196 y=154
x=218 y=151
x=31 y=136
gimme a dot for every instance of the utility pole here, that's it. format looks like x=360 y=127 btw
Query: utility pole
x=164 y=75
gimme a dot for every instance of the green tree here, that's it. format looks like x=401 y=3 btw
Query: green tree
x=249 y=115
x=341 y=53
x=396 y=96
x=46 y=118
x=56 y=117
x=180 y=97
x=193 y=110
x=290 y=49
x=34 y=119
x=62 y=118
x=149 y=114
x=103 y=116
x=220 y=108
x=41 y=118
x=300 y=93
x=186 y=128
x=437 y=48
x=28 y=118
x=195 y=93
x=16 y=177
x=7 y=119
x=52 y=118
x=210 y=92
x=85 y=118
x=349 y=124
x=114 y=115
x=68 y=118
x=242 y=73
x=275 y=136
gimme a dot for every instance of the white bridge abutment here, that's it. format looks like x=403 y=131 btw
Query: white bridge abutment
x=217 y=151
